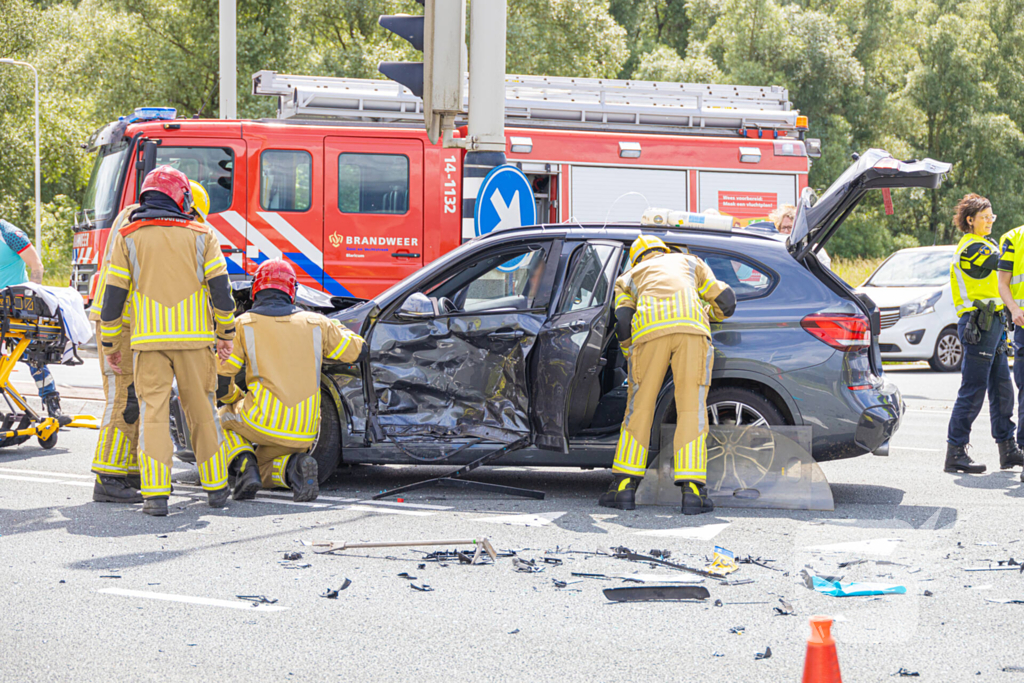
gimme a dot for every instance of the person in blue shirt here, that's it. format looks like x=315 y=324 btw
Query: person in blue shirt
x=16 y=252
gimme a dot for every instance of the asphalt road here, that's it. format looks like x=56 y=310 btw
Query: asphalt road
x=101 y=592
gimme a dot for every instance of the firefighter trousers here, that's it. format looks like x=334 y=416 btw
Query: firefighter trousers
x=272 y=458
x=690 y=357
x=196 y=373
x=119 y=430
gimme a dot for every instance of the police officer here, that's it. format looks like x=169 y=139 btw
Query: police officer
x=973 y=278
x=182 y=306
x=662 y=308
x=115 y=461
x=269 y=427
x=1011 y=291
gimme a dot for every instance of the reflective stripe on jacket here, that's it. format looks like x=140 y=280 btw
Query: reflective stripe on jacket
x=167 y=265
x=670 y=293
x=972 y=274
x=282 y=356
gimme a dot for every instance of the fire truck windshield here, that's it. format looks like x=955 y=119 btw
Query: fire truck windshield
x=101 y=194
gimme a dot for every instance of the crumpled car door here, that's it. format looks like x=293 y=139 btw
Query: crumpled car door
x=454 y=376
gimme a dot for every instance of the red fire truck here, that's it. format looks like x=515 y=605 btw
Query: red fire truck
x=346 y=186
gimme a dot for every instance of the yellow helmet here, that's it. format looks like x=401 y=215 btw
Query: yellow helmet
x=200 y=200
x=642 y=245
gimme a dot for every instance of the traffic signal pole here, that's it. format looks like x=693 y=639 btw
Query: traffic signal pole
x=485 y=141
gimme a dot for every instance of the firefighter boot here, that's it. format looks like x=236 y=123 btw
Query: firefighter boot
x=958 y=460
x=1010 y=454
x=108 y=489
x=135 y=481
x=52 y=403
x=621 y=493
x=155 y=506
x=218 y=498
x=247 y=476
x=696 y=500
x=302 y=477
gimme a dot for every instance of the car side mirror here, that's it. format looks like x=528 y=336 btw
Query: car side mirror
x=418 y=306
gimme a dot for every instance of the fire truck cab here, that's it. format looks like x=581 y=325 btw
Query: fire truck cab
x=345 y=185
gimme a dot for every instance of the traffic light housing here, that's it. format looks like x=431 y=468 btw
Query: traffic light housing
x=440 y=33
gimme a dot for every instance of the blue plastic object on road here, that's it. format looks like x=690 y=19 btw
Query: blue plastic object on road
x=838 y=589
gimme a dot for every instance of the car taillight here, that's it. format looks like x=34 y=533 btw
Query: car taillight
x=843 y=332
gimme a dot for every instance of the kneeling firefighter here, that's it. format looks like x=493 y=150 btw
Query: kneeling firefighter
x=662 y=309
x=269 y=427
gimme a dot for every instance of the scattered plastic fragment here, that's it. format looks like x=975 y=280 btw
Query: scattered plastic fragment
x=737 y=582
x=719 y=603
x=661 y=554
x=759 y=561
x=738 y=630
x=1013 y=669
x=1006 y=601
x=928 y=594
x=905 y=672
x=257 y=599
x=511 y=633
x=767 y=654
x=346 y=584
x=293 y=556
x=716 y=653
x=552 y=561
x=423 y=589
x=646 y=593
x=333 y=594
x=526 y=566
x=407 y=575
x=722 y=562
x=624 y=553
x=786 y=610
x=110 y=576
x=838 y=589
x=421 y=566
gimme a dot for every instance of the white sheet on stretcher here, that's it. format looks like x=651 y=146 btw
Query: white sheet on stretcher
x=76 y=322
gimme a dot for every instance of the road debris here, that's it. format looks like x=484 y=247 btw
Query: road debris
x=928 y=594
x=293 y=556
x=406 y=575
x=738 y=630
x=905 y=672
x=329 y=547
x=1006 y=601
x=722 y=562
x=838 y=589
x=110 y=576
x=649 y=593
x=1013 y=669
x=257 y=599
x=333 y=594
x=767 y=654
x=424 y=588
x=786 y=610
x=719 y=603
x=624 y=553
x=759 y=561
x=526 y=566
x=554 y=561
x=1000 y=566
x=512 y=633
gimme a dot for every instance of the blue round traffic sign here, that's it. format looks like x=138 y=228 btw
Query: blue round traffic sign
x=505 y=201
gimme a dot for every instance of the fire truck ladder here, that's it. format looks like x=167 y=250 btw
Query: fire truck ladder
x=549 y=102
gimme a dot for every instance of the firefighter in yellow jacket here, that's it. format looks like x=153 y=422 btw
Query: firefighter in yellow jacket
x=115 y=461
x=662 y=308
x=269 y=428
x=181 y=307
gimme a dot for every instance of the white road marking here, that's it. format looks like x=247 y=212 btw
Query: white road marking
x=61 y=475
x=213 y=602
x=278 y=501
x=388 y=511
x=700 y=533
x=417 y=506
x=873 y=546
x=38 y=480
x=539 y=519
x=915 y=448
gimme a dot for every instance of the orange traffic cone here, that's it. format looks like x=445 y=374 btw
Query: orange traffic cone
x=821 y=664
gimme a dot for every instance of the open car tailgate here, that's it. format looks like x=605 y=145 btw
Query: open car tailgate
x=818 y=218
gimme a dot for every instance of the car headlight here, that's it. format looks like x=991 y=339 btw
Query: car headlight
x=920 y=306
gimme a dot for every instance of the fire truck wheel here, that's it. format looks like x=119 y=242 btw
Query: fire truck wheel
x=326 y=449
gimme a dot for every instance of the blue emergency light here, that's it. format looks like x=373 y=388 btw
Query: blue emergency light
x=153 y=114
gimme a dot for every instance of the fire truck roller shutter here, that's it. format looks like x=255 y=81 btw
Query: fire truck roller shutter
x=747 y=196
x=599 y=193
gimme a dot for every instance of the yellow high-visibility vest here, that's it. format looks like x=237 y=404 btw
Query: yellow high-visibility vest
x=1011 y=259
x=973 y=285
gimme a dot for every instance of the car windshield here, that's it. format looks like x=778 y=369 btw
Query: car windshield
x=913 y=269
x=101 y=194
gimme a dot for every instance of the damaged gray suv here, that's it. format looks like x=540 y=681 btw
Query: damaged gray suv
x=509 y=339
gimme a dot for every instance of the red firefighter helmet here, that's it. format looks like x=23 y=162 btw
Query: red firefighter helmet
x=171 y=182
x=275 y=274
